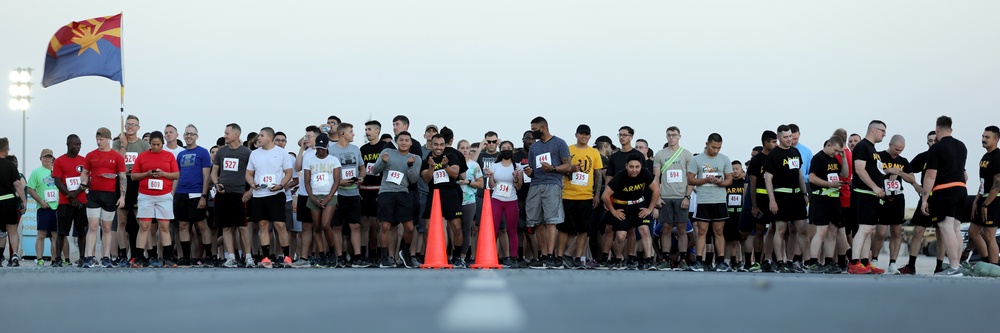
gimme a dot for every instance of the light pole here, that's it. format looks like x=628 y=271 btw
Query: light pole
x=20 y=92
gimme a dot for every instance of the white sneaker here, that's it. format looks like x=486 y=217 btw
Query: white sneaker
x=873 y=263
x=230 y=263
x=250 y=263
x=892 y=270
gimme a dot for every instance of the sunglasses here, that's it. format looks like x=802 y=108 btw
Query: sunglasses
x=491 y=141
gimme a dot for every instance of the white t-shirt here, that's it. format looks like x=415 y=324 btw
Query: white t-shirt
x=175 y=151
x=269 y=169
x=504 y=177
x=322 y=172
x=305 y=155
x=288 y=192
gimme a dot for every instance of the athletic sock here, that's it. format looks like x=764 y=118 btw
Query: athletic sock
x=699 y=258
x=864 y=262
x=892 y=261
x=746 y=257
x=912 y=263
x=719 y=259
x=285 y=251
x=208 y=250
x=828 y=260
x=937 y=265
x=405 y=248
x=797 y=258
x=364 y=252
x=874 y=258
x=332 y=251
x=186 y=249
x=811 y=262
x=168 y=252
x=842 y=260
x=152 y=253
x=383 y=252
x=265 y=251
x=855 y=261
x=122 y=253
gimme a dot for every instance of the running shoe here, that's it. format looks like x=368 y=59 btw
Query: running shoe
x=15 y=261
x=248 y=262
x=796 y=267
x=907 y=270
x=156 y=263
x=755 y=268
x=122 y=263
x=683 y=266
x=89 y=262
x=460 y=263
x=858 y=269
x=358 y=262
x=698 y=267
x=892 y=270
x=648 y=266
x=302 y=263
x=66 y=263
x=875 y=270
x=567 y=262
x=833 y=268
x=536 y=264
x=387 y=263
x=723 y=267
x=169 y=263
x=955 y=272
x=106 y=262
x=56 y=263
x=664 y=266
x=816 y=269
x=184 y=262
x=782 y=268
x=39 y=262
x=265 y=263
x=286 y=262
x=603 y=265
x=230 y=263
x=632 y=265
x=767 y=266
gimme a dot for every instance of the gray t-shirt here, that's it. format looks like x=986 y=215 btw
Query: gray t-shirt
x=132 y=150
x=396 y=175
x=232 y=165
x=704 y=166
x=673 y=185
x=350 y=159
x=553 y=153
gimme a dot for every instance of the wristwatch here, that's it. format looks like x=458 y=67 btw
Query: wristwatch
x=687 y=197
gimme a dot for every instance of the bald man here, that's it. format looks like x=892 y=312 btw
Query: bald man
x=896 y=170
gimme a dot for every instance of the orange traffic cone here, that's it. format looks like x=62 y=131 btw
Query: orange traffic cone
x=486 y=250
x=436 y=256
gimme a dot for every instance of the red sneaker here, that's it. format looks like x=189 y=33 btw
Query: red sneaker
x=906 y=270
x=858 y=269
x=875 y=270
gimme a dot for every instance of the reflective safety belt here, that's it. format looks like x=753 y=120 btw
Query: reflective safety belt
x=829 y=192
x=787 y=190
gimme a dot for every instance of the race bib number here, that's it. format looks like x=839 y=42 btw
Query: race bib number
x=524 y=176
x=321 y=179
x=832 y=177
x=735 y=200
x=793 y=163
x=674 y=176
x=194 y=195
x=267 y=179
x=893 y=186
x=543 y=158
x=708 y=175
x=155 y=184
x=370 y=169
x=504 y=190
x=51 y=195
x=395 y=177
x=230 y=164
x=440 y=176
x=348 y=173
x=580 y=178
x=73 y=183
x=130 y=158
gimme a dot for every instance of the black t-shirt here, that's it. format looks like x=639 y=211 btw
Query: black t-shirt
x=900 y=162
x=369 y=154
x=784 y=166
x=8 y=175
x=947 y=156
x=989 y=166
x=756 y=168
x=479 y=160
x=415 y=149
x=865 y=151
x=630 y=188
x=734 y=193
x=521 y=158
x=824 y=167
x=617 y=161
x=462 y=166
x=919 y=164
x=452 y=160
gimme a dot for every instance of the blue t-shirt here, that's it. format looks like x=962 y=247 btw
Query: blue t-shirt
x=190 y=163
x=805 y=161
x=557 y=150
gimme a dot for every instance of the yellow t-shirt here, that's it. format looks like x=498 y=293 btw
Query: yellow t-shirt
x=589 y=160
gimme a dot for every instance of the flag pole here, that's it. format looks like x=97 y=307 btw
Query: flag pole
x=122 y=92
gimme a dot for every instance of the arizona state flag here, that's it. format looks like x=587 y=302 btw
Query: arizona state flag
x=85 y=48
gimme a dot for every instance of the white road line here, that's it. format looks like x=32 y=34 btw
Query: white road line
x=483 y=305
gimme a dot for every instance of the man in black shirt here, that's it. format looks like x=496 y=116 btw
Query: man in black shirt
x=944 y=181
x=440 y=170
x=920 y=221
x=627 y=207
x=616 y=163
x=825 y=174
x=12 y=199
x=896 y=170
x=787 y=197
x=867 y=197
x=759 y=203
x=985 y=208
x=735 y=239
x=525 y=234
x=369 y=187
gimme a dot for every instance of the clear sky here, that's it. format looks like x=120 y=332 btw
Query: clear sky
x=733 y=67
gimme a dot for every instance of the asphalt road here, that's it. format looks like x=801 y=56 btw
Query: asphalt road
x=275 y=300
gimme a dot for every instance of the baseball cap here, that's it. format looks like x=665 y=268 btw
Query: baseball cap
x=583 y=128
x=430 y=127
x=323 y=142
x=46 y=152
